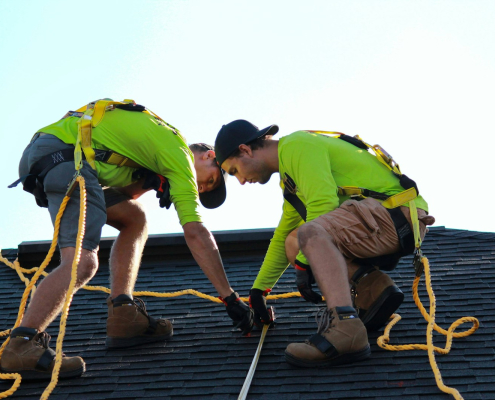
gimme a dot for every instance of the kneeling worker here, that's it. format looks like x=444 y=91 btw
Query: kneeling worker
x=326 y=234
x=130 y=150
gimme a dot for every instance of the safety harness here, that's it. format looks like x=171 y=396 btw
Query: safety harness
x=409 y=239
x=90 y=116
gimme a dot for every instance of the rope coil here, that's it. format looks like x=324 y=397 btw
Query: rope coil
x=383 y=340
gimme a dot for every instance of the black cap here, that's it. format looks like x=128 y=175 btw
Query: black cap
x=216 y=197
x=236 y=133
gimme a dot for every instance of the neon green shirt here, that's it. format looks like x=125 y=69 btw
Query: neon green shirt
x=318 y=164
x=150 y=143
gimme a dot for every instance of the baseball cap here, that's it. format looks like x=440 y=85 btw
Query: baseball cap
x=216 y=197
x=236 y=133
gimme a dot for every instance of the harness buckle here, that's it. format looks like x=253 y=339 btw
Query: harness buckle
x=418 y=262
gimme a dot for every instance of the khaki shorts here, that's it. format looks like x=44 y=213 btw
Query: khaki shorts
x=364 y=229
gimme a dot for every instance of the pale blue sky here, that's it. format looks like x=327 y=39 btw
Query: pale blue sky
x=416 y=77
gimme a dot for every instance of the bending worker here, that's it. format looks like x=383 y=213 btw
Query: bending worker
x=326 y=235
x=129 y=150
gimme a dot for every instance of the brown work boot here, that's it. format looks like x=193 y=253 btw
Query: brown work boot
x=28 y=354
x=376 y=297
x=341 y=339
x=129 y=324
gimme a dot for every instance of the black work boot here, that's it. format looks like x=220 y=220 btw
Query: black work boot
x=28 y=354
x=129 y=324
x=341 y=339
x=375 y=296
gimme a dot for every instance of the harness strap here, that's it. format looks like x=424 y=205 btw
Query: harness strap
x=290 y=195
x=386 y=159
x=41 y=167
x=388 y=262
x=33 y=182
x=90 y=116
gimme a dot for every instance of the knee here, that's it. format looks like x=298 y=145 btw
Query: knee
x=308 y=232
x=133 y=217
x=87 y=267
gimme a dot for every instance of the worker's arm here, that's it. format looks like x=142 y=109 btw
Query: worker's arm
x=274 y=265
x=205 y=251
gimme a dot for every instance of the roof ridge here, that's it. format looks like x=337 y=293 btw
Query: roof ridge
x=460 y=233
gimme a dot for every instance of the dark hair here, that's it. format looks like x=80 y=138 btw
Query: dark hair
x=203 y=148
x=200 y=147
x=255 y=144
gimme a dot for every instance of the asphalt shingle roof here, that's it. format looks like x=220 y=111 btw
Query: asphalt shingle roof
x=206 y=360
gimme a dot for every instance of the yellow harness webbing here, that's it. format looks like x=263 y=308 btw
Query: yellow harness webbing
x=386 y=159
x=93 y=114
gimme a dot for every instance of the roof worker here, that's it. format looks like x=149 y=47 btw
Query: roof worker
x=327 y=236
x=157 y=156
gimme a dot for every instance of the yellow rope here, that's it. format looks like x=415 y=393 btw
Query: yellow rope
x=430 y=318
x=382 y=341
x=25 y=296
x=15 y=265
x=70 y=291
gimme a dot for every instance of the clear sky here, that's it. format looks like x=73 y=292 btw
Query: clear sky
x=417 y=77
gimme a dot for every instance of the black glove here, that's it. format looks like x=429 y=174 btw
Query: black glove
x=160 y=184
x=304 y=280
x=257 y=301
x=241 y=314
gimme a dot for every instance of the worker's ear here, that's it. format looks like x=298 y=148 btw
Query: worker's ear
x=245 y=150
x=209 y=155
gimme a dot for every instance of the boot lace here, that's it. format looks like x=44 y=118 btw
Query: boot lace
x=323 y=319
x=141 y=306
x=43 y=339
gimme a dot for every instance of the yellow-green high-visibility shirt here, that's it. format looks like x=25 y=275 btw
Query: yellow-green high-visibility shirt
x=318 y=164
x=147 y=141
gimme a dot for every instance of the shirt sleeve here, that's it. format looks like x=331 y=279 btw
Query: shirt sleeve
x=177 y=165
x=275 y=262
x=309 y=165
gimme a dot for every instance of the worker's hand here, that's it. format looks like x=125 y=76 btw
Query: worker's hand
x=239 y=312
x=304 y=281
x=160 y=184
x=257 y=301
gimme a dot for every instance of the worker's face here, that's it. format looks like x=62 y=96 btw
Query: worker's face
x=207 y=171
x=248 y=167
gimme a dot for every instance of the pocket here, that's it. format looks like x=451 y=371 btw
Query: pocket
x=345 y=226
x=362 y=210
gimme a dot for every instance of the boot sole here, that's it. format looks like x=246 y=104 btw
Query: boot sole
x=382 y=309
x=114 y=343
x=35 y=375
x=339 y=360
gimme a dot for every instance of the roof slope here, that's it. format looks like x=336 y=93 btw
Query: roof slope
x=205 y=360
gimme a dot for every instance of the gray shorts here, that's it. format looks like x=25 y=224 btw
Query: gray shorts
x=55 y=185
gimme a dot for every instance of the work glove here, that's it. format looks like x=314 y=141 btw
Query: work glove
x=239 y=312
x=160 y=184
x=257 y=301
x=304 y=282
